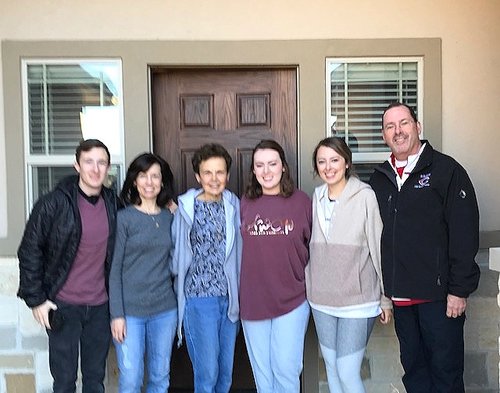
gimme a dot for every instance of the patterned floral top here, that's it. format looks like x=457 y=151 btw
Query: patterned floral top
x=206 y=275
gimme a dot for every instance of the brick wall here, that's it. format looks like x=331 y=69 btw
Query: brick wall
x=24 y=356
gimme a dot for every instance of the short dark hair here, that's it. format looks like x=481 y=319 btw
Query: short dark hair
x=398 y=104
x=89 y=144
x=142 y=163
x=339 y=145
x=207 y=151
x=254 y=189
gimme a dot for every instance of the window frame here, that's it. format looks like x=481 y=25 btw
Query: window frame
x=374 y=157
x=32 y=161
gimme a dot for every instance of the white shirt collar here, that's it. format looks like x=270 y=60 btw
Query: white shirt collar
x=411 y=162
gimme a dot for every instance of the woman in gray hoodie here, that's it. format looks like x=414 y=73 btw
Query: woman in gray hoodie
x=344 y=277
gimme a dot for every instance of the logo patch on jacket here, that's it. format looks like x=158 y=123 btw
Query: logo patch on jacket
x=424 y=181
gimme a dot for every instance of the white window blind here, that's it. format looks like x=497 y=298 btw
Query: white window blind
x=66 y=101
x=56 y=95
x=358 y=91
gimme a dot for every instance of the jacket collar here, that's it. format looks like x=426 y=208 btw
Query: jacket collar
x=425 y=158
x=424 y=161
x=186 y=202
x=186 y=210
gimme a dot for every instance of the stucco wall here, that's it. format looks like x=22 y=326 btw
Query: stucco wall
x=470 y=55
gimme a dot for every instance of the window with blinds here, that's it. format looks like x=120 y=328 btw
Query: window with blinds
x=66 y=101
x=358 y=91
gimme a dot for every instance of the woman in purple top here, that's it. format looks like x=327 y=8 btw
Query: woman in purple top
x=276 y=227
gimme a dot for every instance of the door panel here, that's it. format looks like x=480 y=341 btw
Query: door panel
x=236 y=108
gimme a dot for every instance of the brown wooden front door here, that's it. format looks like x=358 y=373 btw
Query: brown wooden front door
x=236 y=108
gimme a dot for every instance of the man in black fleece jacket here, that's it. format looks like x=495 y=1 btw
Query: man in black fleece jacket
x=429 y=242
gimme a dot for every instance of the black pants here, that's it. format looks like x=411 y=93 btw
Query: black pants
x=85 y=328
x=432 y=348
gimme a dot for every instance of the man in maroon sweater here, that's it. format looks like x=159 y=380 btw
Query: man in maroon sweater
x=64 y=260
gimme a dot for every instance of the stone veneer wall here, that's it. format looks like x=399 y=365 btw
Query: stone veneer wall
x=382 y=371
x=23 y=343
x=24 y=357
x=494 y=263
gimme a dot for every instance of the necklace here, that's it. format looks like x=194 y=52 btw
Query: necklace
x=329 y=207
x=154 y=220
x=152 y=215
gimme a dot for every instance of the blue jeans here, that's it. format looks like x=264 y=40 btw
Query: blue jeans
x=210 y=339
x=153 y=335
x=276 y=348
x=85 y=333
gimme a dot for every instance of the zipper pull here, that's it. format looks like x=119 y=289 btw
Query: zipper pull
x=389 y=203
